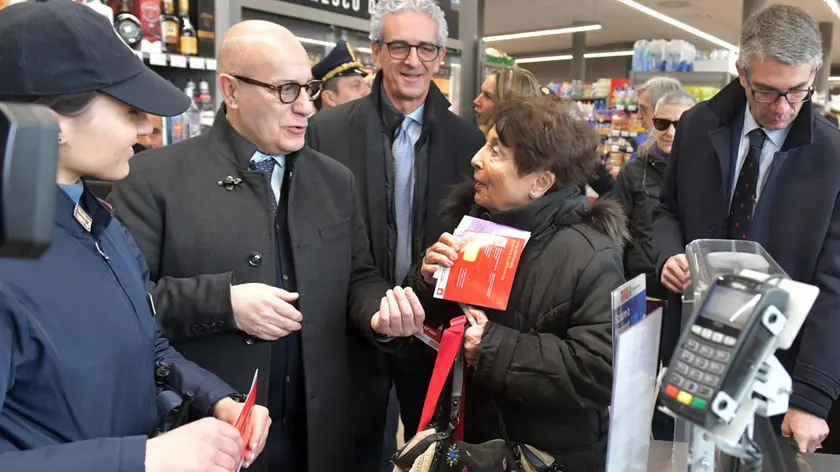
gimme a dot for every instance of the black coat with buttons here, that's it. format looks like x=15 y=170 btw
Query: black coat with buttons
x=797 y=220
x=203 y=221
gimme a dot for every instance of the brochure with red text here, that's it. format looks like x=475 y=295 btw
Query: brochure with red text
x=487 y=262
x=243 y=421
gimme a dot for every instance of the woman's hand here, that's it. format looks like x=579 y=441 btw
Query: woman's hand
x=443 y=253
x=227 y=410
x=472 y=338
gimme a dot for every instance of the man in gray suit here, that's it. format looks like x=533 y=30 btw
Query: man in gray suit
x=258 y=252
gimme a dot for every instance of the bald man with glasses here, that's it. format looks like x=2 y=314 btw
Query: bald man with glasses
x=258 y=256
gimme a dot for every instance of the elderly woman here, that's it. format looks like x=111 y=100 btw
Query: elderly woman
x=545 y=362
x=637 y=188
x=500 y=86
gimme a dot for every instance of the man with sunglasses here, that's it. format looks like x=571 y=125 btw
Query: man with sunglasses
x=757 y=162
x=258 y=254
x=406 y=149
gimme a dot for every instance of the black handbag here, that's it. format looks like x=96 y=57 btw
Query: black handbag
x=440 y=447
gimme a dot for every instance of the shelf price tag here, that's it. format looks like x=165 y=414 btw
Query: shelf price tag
x=197 y=63
x=178 y=61
x=157 y=59
x=210 y=64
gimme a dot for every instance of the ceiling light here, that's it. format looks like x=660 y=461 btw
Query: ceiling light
x=365 y=50
x=595 y=55
x=834 y=79
x=834 y=6
x=316 y=42
x=681 y=25
x=528 y=60
x=535 y=34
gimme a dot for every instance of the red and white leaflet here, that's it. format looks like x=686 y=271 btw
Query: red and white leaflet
x=430 y=336
x=484 y=272
x=243 y=421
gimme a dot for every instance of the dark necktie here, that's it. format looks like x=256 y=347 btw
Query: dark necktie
x=267 y=166
x=743 y=200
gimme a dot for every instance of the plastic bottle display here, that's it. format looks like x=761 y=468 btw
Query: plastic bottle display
x=661 y=55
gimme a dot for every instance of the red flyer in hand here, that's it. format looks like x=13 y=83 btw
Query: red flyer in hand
x=484 y=272
x=243 y=421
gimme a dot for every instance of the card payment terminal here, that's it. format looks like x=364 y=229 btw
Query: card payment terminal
x=718 y=358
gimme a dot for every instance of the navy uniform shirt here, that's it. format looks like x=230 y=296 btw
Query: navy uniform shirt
x=78 y=346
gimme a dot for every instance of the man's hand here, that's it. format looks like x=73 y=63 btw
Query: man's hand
x=808 y=430
x=472 y=337
x=227 y=410
x=400 y=314
x=675 y=274
x=264 y=311
x=207 y=445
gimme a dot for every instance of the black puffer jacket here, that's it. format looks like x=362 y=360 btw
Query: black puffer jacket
x=547 y=360
x=637 y=190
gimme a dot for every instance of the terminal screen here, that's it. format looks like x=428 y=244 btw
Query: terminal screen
x=730 y=306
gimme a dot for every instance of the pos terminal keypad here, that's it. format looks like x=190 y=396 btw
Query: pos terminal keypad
x=701 y=361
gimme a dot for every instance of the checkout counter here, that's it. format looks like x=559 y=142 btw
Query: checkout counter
x=724 y=381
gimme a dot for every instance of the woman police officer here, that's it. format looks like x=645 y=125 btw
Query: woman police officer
x=78 y=340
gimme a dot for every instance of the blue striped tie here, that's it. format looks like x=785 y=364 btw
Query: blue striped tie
x=403 y=151
x=267 y=166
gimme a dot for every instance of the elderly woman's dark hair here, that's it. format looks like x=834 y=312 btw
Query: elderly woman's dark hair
x=543 y=136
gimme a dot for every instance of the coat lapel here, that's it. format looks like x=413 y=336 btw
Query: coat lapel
x=721 y=139
x=368 y=132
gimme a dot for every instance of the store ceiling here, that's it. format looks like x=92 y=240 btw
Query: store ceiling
x=622 y=25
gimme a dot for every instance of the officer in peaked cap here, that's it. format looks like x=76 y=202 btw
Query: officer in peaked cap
x=343 y=76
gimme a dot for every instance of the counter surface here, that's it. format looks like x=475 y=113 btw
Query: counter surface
x=660 y=460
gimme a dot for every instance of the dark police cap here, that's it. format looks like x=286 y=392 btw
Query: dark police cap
x=340 y=62
x=59 y=47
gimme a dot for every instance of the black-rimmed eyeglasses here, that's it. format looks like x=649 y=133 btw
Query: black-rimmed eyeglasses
x=400 y=50
x=772 y=96
x=288 y=92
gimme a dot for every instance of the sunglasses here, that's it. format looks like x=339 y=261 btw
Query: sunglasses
x=661 y=124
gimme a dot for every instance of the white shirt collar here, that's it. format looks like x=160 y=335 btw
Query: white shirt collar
x=259 y=157
x=417 y=115
x=777 y=136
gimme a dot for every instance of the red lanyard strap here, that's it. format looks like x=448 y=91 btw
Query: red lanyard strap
x=450 y=347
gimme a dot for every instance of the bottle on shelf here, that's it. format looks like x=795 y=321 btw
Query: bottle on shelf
x=148 y=11
x=208 y=111
x=192 y=117
x=128 y=26
x=169 y=27
x=189 y=38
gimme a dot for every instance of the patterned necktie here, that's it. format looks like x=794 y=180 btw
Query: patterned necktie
x=267 y=166
x=403 y=151
x=743 y=200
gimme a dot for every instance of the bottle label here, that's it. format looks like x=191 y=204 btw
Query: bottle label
x=169 y=31
x=189 y=45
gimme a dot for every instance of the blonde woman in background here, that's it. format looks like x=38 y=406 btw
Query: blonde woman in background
x=500 y=86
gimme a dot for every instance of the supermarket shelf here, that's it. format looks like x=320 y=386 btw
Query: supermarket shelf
x=588 y=99
x=177 y=61
x=689 y=79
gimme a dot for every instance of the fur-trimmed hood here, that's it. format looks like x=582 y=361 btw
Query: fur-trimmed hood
x=563 y=207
